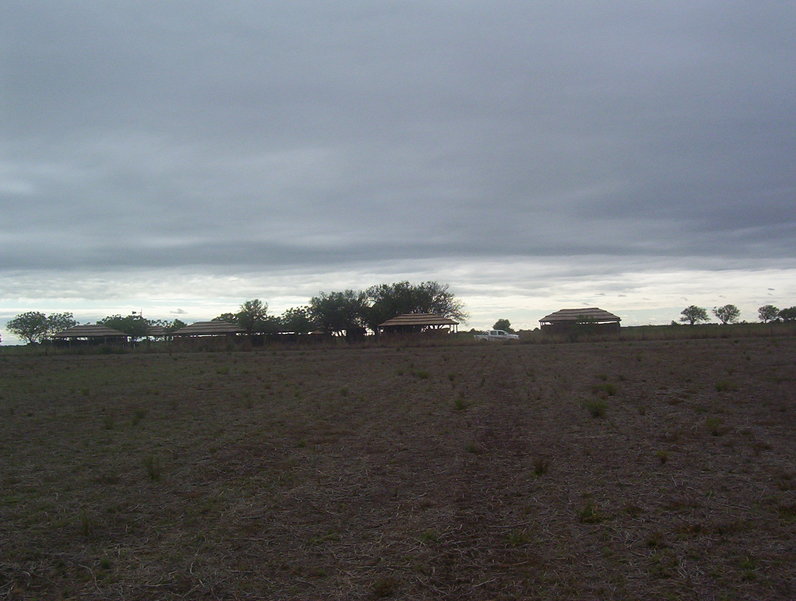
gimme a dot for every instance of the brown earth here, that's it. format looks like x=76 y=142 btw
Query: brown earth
x=617 y=470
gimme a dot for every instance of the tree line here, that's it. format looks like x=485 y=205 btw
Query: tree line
x=343 y=312
x=34 y=326
x=727 y=314
x=348 y=312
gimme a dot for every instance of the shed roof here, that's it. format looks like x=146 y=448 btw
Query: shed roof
x=156 y=331
x=89 y=331
x=418 y=319
x=209 y=328
x=588 y=313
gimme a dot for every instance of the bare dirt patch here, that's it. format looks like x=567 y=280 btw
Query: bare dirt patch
x=617 y=470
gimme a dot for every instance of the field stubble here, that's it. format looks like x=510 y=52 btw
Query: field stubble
x=619 y=470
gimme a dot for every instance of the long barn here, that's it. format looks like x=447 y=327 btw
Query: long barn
x=569 y=320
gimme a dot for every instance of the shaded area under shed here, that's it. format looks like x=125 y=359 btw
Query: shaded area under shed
x=210 y=328
x=413 y=323
x=587 y=318
x=91 y=333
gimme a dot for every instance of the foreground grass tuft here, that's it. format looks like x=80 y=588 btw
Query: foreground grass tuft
x=596 y=408
x=541 y=466
x=385 y=587
x=725 y=386
x=590 y=514
x=153 y=468
x=605 y=389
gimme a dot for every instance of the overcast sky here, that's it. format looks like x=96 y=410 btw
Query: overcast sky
x=182 y=157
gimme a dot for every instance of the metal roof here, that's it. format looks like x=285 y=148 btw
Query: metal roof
x=89 y=331
x=588 y=313
x=418 y=319
x=205 y=328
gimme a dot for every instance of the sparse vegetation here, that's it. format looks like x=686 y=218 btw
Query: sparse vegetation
x=138 y=415
x=429 y=536
x=518 y=538
x=596 y=407
x=715 y=426
x=605 y=389
x=385 y=587
x=152 y=465
x=541 y=465
x=725 y=386
x=589 y=514
x=319 y=473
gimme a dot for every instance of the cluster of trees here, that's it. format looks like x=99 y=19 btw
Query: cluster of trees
x=730 y=314
x=35 y=326
x=343 y=312
x=136 y=326
x=503 y=324
x=350 y=312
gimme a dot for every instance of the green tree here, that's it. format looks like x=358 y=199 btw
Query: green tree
x=175 y=325
x=339 y=312
x=767 y=313
x=502 y=324
x=727 y=313
x=58 y=322
x=297 y=320
x=134 y=326
x=788 y=314
x=169 y=326
x=693 y=315
x=30 y=326
x=228 y=317
x=253 y=315
x=388 y=300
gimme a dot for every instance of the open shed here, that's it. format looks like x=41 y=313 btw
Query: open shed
x=591 y=318
x=210 y=328
x=412 y=323
x=156 y=332
x=91 y=333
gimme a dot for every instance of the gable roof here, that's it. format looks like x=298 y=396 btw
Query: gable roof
x=209 y=328
x=89 y=331
x=588 y=313
x=157 y=331
x=418 y=319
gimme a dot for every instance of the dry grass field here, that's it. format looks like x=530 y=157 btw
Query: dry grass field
x=615 y=470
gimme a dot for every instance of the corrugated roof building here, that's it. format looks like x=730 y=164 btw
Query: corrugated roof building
x=91 y=332
x=567 y=320
x=157 y=332
x=210 y=328
x=417 y=322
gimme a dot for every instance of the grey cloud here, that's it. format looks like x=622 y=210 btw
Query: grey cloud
x=332 y=134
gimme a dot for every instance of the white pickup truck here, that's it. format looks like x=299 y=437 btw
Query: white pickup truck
x=496 y=335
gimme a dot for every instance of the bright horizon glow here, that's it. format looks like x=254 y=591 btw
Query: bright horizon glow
x=638 y=298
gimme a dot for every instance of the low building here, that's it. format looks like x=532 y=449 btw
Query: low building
x=91 y=333
x=210 y=328
x=588 y=319
x=414 y=323
x=157 y=332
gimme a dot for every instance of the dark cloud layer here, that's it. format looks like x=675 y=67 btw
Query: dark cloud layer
x=320 y=134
